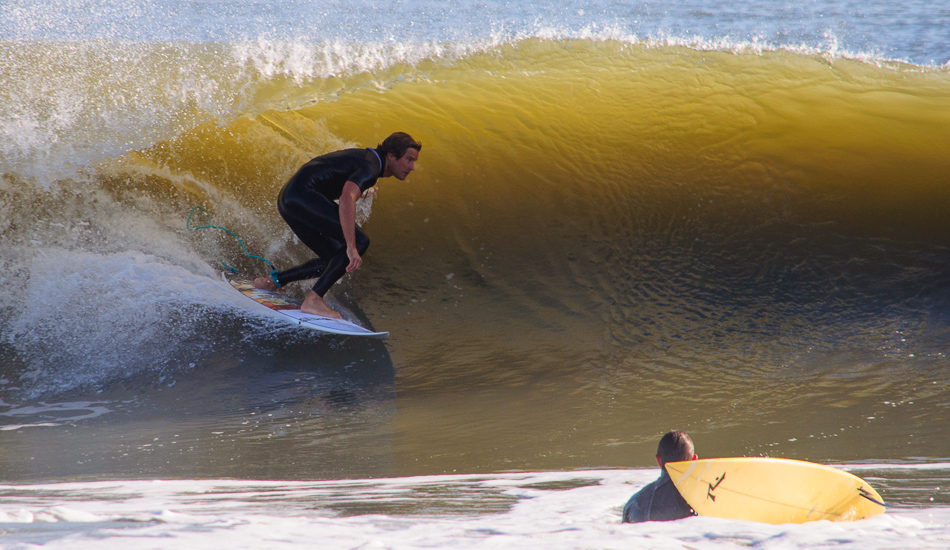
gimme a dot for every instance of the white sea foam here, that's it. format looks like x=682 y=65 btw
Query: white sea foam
x=547 y=510
x=54 y=414
x=128 y=313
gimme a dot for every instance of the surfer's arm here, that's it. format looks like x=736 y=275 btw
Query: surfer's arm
x=351 y=192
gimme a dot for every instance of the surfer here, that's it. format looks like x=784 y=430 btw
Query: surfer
x=660 y=501
x=307 y=205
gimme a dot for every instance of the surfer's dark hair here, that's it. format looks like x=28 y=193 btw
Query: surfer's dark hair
x=675 y=446
x=397 y=144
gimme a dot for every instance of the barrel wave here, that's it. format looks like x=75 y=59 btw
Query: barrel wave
x=752 y=240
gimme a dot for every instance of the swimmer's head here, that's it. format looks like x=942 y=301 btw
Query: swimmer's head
x=675 y=446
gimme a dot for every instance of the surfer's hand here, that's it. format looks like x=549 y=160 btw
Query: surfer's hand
x=355 y=260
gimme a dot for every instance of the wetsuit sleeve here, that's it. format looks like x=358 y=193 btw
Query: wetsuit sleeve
x=368 y=172
x=637 y=508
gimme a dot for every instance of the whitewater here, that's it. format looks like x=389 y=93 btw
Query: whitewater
x=525 y=510
x=628 y=217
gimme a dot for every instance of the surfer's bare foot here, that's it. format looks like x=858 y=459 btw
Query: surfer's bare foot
x=265 y=283
x=314 y=305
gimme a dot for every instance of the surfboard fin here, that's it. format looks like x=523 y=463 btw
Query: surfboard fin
x=864 y=493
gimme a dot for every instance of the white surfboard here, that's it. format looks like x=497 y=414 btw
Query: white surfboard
x=288 y=309
x=773 y=490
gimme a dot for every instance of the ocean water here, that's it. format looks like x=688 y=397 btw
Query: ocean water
x=627 y=217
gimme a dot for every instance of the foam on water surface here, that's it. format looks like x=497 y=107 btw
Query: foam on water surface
x=542 y=510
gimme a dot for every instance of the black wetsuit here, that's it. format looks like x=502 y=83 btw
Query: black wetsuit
x=657 y=501
x=306 y=204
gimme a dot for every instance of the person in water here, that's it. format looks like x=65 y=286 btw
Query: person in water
x=660 y=501
x=306 y=204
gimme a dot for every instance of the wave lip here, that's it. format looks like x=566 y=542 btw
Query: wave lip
x=73 y=105
x=911 y=31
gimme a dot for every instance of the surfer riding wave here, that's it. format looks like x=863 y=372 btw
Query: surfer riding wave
x=307 y=205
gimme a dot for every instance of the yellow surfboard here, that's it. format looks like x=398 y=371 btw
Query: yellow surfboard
x=773 y=490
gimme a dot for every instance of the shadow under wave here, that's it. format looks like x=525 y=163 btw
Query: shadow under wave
x=247 y=400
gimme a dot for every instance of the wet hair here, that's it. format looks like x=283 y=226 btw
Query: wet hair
x=397 y=144
x=675 y=446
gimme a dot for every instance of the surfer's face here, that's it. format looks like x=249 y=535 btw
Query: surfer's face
x=402 y=166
